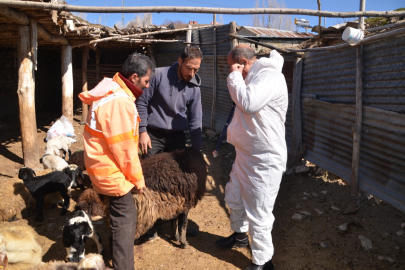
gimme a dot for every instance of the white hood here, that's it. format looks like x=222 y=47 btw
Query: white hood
x=274 y=61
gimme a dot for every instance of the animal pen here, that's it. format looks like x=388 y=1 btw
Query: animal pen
x=346 y=104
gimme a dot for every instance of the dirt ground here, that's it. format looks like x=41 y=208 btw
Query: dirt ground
x=314 y=242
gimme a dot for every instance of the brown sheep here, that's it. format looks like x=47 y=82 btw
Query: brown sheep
x=175 y=183
x=77 y=158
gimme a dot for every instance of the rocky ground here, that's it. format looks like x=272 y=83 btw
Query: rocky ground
x=318 y=225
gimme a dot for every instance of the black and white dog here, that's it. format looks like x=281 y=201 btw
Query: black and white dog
x=80 y=228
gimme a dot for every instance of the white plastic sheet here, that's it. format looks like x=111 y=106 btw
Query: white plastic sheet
x=62 y=127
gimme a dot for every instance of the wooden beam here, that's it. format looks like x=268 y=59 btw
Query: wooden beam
x=320 y=22
x=214 y=78
x=67 y=82
x=233 y=32
x=209 y=10
x=297 y=148
x=26 y=98
x=22 y=19
x=358 y=122
x=152 y=56
x=354 y=179
x=85 y=107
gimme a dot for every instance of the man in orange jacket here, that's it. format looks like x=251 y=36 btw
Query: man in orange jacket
x=111 y=150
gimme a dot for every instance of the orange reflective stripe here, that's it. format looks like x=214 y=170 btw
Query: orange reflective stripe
x=138 y=176
x=102 y=171
x=93 y=132
x=120 y=137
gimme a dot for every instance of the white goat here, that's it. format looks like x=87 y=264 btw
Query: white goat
x=50 y=161
x=61 y=143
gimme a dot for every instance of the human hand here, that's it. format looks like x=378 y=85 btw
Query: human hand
x=137 y=190
x=144 y=142
x=236 y=67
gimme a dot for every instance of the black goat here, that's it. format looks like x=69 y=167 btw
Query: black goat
x=40 y=186
x=76 y=174
x=80 y=228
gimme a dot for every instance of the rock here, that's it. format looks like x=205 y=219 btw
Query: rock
x=319 y=172
x=377 y=200
x=306 y=213
x=335 y=208
x=351 y=209
x=343 y=227
x=403 y=225
x=301 y=169
x=306 y=194
x=390 y=260
x=324 y=192
x=381 y=258
x=297 y=217
x=304 y=198
x=365 y=242
x=210 y=133
x=316 y=195
x=401 y=232
x=324 y=244
x=319 y=212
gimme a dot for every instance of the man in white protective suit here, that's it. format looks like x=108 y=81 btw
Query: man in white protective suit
x=257 y=131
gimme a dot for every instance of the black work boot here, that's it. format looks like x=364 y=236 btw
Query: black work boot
x=267 y=266
x=234 y=240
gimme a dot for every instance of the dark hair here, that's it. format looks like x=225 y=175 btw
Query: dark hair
x=137 y=63
x=191 y=53
x=240 y=52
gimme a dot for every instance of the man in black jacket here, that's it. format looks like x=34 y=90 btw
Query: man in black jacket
x=171 y=105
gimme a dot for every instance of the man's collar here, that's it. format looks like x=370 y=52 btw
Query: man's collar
x=128 y=86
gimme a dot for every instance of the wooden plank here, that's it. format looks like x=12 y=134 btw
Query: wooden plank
x=297 y=148
x=85 y=107
x=67 y=82
x=152 y=55
x=26 y=99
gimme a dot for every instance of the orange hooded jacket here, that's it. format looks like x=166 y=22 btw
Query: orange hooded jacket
x=111 y=138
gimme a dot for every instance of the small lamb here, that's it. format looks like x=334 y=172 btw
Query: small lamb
x=61 y=143
x=80 y=228
x=51 y=161
x=40 y=186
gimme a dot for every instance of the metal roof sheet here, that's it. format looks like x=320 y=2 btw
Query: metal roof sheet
x=268 y=32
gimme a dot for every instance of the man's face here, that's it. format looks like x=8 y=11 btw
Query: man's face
x=188 y=68
x=244 y=65
x=140 y=82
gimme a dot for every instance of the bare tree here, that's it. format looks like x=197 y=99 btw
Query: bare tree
x=221 y=19
x=275 y=21
x=140 y=20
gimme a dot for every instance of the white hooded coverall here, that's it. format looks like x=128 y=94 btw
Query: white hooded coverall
x=258 y=133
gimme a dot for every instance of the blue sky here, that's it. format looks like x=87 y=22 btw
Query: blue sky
x=330 y=5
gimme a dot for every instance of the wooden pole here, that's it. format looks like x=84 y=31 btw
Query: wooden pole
x=189 y=33
x=34 y=42
x=232 y=31
x=85 y=56
x=320 y=22
x=207 y=10
x=152 y=55
x=354 y=180
x=297 y=149
x=214 y=76
x=26 y=97
x=97 y=66
x=67 y=82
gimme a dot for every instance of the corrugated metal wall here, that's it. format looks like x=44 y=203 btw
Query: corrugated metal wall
x=327 y=121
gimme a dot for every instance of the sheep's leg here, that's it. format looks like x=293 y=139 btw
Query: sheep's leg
x=66 y=200
x=40 y=209
x=97 y=238
x=175 y=228
x=183 y=229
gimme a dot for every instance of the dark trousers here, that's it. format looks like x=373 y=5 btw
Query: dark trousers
x=165 y=141
x=123 y=216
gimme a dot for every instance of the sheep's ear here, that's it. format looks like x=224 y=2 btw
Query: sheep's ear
x=33 y=172
x=67 y=171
